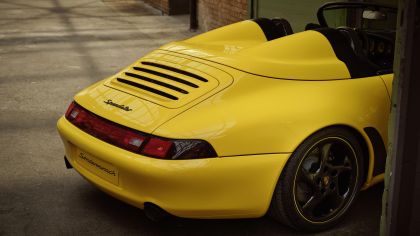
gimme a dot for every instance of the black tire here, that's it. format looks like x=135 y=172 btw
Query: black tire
x=320 y=181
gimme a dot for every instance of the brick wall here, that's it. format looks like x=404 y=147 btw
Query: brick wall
x=170 y=7
x=215 y=13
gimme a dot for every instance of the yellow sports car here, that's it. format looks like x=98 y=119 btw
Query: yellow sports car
x=244 y=120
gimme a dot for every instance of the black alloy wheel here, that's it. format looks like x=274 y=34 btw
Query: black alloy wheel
x=326 y=178
x=320 y=181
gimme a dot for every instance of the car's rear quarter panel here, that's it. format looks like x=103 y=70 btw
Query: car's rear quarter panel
x=266 y=115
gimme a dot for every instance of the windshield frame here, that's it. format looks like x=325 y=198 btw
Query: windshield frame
x=349 y=5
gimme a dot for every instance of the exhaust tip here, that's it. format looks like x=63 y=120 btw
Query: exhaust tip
x=155 y=213
x=68 y=165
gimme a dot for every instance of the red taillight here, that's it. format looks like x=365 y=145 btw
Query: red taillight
x=70 y=108
x=136 y=141
x=157 y=147
x=133 y=142
x=105 y=130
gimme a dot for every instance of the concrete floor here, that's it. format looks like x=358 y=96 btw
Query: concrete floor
x=49 y=50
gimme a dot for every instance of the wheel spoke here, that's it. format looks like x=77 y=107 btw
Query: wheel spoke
x=312 y=203
x=325 y=153
x=335 y=194
x=340 y=168
x=346 y=166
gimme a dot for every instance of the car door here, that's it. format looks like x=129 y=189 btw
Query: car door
x=388 y=78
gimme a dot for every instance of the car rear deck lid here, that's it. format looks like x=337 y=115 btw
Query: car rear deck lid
x=168 y=80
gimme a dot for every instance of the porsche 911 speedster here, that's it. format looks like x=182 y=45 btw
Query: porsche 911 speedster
x=245 y=120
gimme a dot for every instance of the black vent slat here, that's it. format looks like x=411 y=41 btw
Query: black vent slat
x=174 y=70
x=156 y=82
x=147 y=88
x=157 y=73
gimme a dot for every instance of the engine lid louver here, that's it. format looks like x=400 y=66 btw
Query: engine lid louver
x=146 y=88
x=168 y=81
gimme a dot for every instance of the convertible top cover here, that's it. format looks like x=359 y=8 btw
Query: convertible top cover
x=306 y=55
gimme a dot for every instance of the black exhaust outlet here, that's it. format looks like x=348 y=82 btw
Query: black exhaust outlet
x=154 y=212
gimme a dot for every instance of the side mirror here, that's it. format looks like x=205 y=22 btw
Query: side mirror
x=374 y=15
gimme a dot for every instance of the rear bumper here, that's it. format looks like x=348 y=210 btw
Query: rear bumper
x=231 y=187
